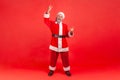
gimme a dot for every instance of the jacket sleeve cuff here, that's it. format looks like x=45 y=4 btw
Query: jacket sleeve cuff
x=70 y=34
x=46 y=15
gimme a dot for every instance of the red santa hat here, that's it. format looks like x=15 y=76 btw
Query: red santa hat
x=61 y=13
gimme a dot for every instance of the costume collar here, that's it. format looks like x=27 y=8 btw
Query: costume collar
x=57 y=23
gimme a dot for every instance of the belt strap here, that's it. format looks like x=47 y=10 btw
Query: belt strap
x=59 y=36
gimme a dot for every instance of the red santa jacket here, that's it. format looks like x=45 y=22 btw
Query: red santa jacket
x=57 y=44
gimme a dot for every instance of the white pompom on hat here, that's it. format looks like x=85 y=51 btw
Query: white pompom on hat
x=61 y=13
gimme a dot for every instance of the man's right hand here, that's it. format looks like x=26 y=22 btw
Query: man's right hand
x=49 y=9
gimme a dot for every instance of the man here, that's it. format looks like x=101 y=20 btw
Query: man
x=58 y=43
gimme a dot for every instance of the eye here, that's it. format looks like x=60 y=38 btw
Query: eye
x=61 y=16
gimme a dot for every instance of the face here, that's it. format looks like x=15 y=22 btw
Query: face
x=59 y=18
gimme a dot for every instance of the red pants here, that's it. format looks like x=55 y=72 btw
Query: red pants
x=64 y=57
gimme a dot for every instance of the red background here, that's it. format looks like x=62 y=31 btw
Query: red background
x=24 y=38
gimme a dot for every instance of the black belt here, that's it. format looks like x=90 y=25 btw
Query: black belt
x=59 y=36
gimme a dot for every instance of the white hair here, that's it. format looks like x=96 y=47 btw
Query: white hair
x=61 y=13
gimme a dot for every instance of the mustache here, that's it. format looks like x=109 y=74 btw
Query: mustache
x=57 y=19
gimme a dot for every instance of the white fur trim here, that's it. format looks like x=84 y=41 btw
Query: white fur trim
x=46 y=15
x=52 y=68
x=58 y=49
x=70 y=34
x=60 y=33
x=61 y=13
x=66 y=68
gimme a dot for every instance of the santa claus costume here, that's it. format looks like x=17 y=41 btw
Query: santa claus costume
x=58 y=43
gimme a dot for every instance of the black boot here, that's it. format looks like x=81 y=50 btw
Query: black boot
x=68 y=73
x=50 y=73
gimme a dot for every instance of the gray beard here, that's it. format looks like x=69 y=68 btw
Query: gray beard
x=58 y=21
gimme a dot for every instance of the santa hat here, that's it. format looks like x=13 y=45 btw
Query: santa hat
x=61 y=13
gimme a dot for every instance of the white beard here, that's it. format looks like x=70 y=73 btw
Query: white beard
x=58 y=20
